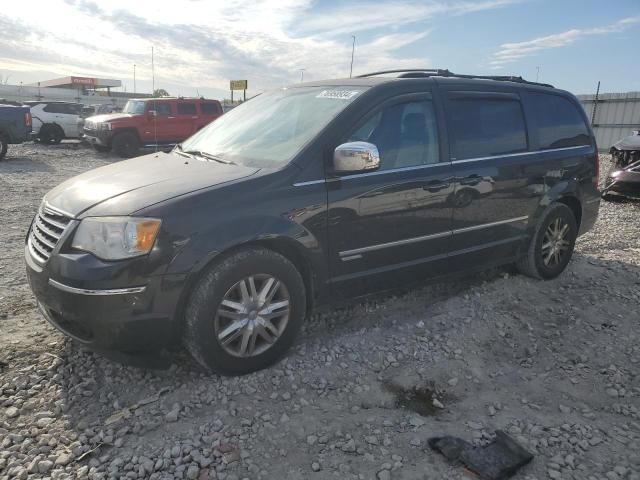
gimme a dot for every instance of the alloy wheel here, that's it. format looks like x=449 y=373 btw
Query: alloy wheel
x=252 y=316
x=555 y=244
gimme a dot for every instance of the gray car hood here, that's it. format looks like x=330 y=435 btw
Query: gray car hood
x=632 y=142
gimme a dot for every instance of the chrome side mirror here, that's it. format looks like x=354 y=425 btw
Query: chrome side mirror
x=354 y=157
x=152 y=114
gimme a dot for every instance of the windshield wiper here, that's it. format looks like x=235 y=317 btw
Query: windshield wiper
x=179 y=151
x=203 y=154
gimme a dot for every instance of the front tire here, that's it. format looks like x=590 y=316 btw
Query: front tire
x=552 y=244
x=245 y=313
x=126 y=144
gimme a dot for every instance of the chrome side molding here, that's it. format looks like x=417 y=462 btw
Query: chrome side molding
x=356 y=253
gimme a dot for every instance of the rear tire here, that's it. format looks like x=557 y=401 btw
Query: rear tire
x=245 y=312
x=126 y=144
x=3 y=146
x=552 y=243
x=51 y=134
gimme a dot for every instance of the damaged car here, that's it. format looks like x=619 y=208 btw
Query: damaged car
x=624 y=178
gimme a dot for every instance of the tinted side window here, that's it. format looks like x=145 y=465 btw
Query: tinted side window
x=186 y=108
x=483 y=127
x=559 y=122
x=406 y=134
x=53 y=108
x=162 y=108
x=209 y=108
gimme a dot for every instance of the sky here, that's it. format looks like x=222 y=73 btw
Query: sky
x=199 y=45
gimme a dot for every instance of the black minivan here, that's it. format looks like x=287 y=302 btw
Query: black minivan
x=313 y=194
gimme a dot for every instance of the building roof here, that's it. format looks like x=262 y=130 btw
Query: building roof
x=79 y=82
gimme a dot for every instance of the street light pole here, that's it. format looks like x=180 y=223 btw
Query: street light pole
x=353 y=48
x=134 y=78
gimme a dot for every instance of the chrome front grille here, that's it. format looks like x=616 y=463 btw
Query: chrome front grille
x=46 y=231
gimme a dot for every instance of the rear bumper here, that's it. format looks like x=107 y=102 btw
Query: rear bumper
x=126 y=319
x=590 y=208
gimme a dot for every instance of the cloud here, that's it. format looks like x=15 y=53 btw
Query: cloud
x=510 y=52
x=359 y=16
x=203 y=44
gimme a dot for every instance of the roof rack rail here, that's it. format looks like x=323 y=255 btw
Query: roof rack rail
x=422 y=71
x=438 y=72
x=502 y=78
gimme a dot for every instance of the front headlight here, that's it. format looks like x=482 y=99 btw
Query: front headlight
x=115 y=238
x=105 y=126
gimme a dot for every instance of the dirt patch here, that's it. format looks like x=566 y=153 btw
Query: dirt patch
x=425 y=400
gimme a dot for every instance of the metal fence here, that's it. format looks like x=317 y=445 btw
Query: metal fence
x=615 y=116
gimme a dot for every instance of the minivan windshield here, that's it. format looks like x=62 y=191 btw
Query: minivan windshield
x=270 y=129
x=134 y=107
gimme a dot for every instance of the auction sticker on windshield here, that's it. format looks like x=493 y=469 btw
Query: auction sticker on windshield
x=339 y=94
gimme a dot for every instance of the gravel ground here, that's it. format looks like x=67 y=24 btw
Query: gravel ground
x=556 y=364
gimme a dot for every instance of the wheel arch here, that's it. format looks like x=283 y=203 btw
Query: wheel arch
x=120 y=131
x=575 y=205
x=287 y=247
x=58 y=126
x=564 y=192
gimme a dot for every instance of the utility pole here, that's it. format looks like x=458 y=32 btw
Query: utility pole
x=134 y=78
x=353 y=48
x=153 y=74
x=302 y=74
x=537 y=72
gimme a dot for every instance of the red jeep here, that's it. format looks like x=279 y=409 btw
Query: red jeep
x=150 y=122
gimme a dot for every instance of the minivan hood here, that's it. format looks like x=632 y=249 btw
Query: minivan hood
x=130 y=185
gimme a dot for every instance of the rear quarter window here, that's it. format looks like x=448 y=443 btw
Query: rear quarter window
x=559 y=122
x=484 y=127
x=210 y=108
x=53 y=108
x=187 y=108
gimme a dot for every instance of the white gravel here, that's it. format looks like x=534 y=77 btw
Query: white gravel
x=556 y=364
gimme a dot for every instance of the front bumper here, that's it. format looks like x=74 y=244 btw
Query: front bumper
x=133 y=318
x=626 y=184
x=97 y=137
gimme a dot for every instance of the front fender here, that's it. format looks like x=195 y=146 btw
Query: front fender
x=204 y=246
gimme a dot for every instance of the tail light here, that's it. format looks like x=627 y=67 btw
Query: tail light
x=596 y=170
x=27 y=119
